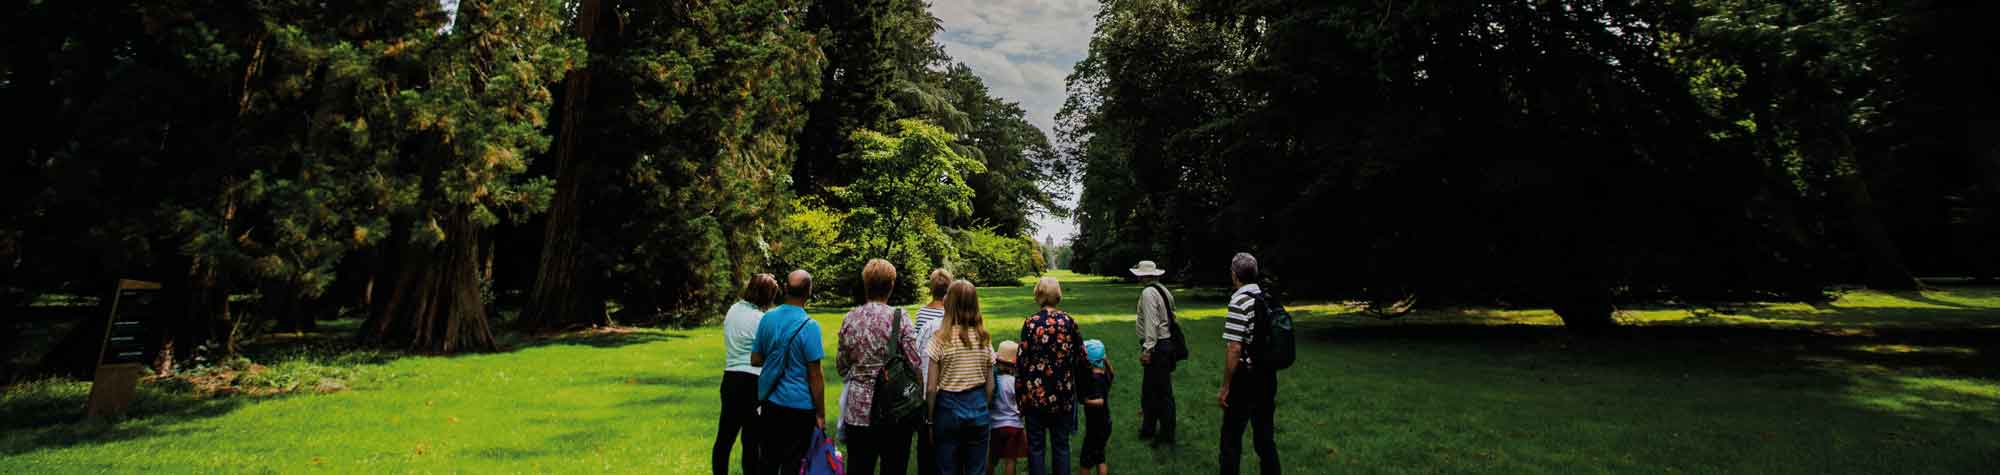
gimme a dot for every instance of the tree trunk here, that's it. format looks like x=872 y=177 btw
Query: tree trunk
x=394 y=253
x=1883 y=264
x=349 y=292
x=1585 y=308
x=487 y=247
x=434 y=305
x=282 y=303
x=562 y=296
x=1580 y=280
x=203 y=324
x=1986 y=160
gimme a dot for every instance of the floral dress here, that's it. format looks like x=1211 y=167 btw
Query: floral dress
x=864 y=349
x=1050 y=358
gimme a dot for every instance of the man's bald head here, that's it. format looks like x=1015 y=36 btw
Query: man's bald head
x=798 y=287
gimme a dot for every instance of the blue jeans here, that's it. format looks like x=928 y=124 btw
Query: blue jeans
x=1055 y=431
x=962 y=421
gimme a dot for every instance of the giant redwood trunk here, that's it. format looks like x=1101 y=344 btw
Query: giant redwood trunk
x=561 y=296
x=433 y=304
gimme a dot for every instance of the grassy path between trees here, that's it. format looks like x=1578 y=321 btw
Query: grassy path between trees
x=1869 y=383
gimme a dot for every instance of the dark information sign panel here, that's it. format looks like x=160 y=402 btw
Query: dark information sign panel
x=128 y=339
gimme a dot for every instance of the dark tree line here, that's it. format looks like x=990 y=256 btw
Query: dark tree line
x=1572 y=154
x=423 y=165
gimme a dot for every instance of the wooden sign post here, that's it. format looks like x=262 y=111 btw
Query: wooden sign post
x=122 y=359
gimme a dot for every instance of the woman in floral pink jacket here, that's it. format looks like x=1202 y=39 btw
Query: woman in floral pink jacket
x=864 y=350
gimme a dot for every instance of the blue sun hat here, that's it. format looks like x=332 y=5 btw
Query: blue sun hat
x=1094 y=350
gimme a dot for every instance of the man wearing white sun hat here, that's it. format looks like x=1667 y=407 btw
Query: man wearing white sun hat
x=1155 y=323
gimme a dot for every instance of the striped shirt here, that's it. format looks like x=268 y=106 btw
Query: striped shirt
x=1242 y=317
x=965 y=365
x=928 y=321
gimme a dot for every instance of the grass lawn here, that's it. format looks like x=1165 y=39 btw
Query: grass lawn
x=1884 y=383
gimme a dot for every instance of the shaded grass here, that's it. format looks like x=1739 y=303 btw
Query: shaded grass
x=1867 y=383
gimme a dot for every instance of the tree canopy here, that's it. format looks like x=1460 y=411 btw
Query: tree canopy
x=1573 y=154
x=423 y=165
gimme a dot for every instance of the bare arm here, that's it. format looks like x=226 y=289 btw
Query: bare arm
x=1110 y=370
x=756 y=359
x=1229 y=372
x=931 y=388
x=816 y=382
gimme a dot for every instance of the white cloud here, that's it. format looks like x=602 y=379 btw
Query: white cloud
x=1023 y=49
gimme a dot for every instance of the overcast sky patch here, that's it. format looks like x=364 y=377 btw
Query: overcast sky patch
x=1023 y=49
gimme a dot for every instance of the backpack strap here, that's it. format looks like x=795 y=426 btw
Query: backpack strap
x=895 y=343
x=1165 y=296
x=1262 y=322
x=787 y=352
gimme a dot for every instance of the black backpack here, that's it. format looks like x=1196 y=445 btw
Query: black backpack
x=1272 y=347
x=899 y=391
x=1176 y=344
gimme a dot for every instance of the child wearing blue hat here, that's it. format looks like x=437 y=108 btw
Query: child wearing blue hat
x=1097 y=408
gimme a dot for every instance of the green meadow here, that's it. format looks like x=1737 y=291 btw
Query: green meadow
x=1868 y=383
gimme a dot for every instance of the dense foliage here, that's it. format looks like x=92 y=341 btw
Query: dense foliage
x=673 y=154
x=1564 y=153
x=279 y=162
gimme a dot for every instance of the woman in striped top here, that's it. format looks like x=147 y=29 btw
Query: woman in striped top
x=960 y=383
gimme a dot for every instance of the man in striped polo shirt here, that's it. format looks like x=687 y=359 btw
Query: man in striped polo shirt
x=1249 y=394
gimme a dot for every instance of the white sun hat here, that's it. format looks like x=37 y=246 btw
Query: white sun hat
x=1147 y=269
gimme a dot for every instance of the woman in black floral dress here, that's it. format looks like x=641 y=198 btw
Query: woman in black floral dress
x=1051 y=365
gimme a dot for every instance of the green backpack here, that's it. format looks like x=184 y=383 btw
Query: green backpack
x=1272 y=347
x=899 y=391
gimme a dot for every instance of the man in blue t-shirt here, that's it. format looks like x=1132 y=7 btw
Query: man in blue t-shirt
x=790 y=388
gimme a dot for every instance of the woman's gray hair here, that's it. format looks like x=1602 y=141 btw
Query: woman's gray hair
x=1244 y=267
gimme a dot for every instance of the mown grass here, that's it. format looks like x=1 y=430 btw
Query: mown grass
x=1902 y=383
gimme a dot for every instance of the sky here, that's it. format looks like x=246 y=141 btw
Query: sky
x=1022 y=49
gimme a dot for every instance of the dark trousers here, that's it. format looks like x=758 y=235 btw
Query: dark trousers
x=1252 y=402
x=783 y=435
x=1156 y=401
x=1096 y=434
x=739 y=415
x=883 y=446
x=1048 y=442
x=927 y=462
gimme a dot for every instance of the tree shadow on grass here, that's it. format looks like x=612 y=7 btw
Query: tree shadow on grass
x=616 y=337
x=1920 y=297
x=1971 y=352
x=1932 y=318
x=567 y=443
x=49 y=415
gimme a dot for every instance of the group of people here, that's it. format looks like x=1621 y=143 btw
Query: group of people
x=984 y=406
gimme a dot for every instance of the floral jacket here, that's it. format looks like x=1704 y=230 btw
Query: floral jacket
x=1050 y=365
x=864 y=350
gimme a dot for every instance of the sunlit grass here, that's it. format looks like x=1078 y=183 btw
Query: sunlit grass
x=1769 y=388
